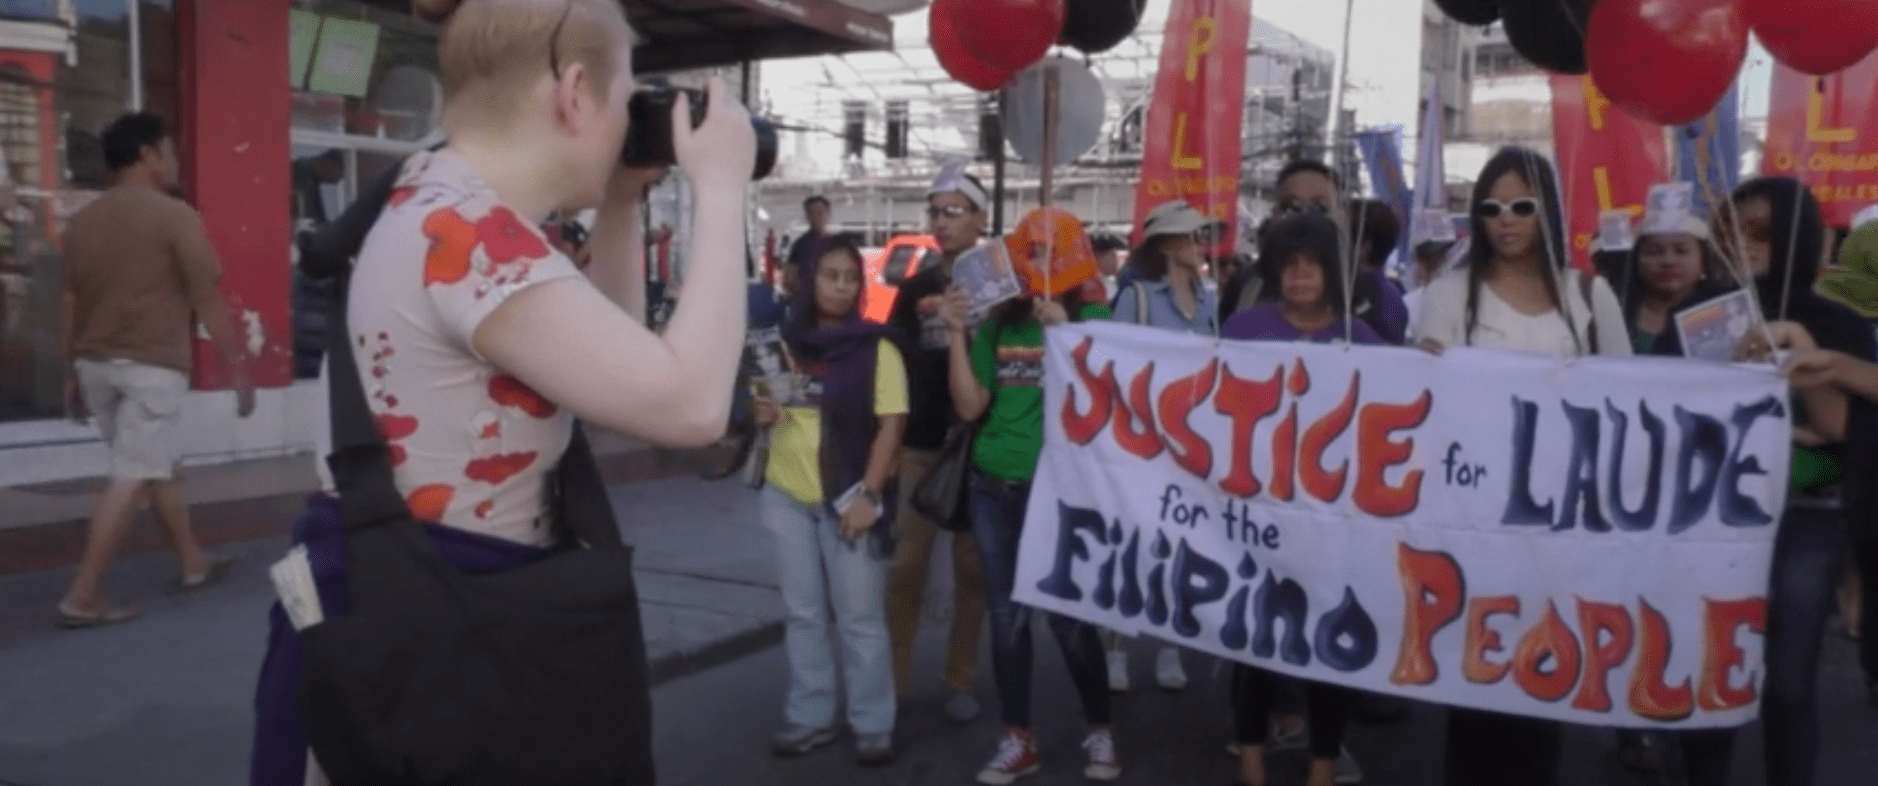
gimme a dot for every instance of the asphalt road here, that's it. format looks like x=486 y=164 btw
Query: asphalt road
x=713 y=729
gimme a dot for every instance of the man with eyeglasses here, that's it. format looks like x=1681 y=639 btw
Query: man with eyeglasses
x=1304 y=185
x=955 y=207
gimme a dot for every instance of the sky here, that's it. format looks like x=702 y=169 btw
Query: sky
x=1384 y=70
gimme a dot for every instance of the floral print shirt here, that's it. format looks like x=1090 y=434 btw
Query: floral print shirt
x=471 y=446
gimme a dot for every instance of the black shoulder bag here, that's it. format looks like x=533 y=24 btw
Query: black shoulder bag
x=942 y=495
x=535 y=675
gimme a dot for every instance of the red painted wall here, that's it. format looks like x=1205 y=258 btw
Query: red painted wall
x=236 y=159
x=42 y=67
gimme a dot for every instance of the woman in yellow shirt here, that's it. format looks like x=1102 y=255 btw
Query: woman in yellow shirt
x=831 y=466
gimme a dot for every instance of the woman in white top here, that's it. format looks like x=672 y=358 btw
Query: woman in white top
x=1516 y=291
x=1519 y=291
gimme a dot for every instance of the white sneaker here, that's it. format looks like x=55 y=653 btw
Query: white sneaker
x=1118 y=671
x=1168 y=671
x=1103 y=763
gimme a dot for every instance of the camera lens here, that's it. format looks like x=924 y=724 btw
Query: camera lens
x=649 y=130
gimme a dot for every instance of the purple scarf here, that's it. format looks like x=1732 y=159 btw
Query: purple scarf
x=844 y=358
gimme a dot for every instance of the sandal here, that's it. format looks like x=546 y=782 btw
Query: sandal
x=72 y=620
x=218 y=567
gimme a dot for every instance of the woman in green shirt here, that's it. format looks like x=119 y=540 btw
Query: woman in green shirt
x=999 y=378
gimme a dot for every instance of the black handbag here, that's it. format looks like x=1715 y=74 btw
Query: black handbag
x=941 y=495
x=533 y=675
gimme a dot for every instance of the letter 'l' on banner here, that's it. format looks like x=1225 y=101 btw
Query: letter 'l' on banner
x=1823 y=131
x=1607 y=160
x=1190 y=148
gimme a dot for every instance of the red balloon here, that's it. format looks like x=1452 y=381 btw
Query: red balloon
x=1666 y=61
x=1816 y=37
x=1008 y=34
x=958 y=61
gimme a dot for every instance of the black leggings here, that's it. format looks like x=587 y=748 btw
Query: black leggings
x=1865 y=551
x=1494 y=749
x=1254 y=692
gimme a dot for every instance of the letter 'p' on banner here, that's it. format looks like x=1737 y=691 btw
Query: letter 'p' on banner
x=1823 y=131
x=1190 y=142
x=1586 y=541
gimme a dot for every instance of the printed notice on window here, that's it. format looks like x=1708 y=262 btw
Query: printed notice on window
x=343 y=64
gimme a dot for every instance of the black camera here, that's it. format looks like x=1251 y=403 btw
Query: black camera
x=649 y=132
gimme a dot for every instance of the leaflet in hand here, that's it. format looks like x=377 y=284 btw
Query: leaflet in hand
x=299 y=596
x=1712 y=330
x=986 y=276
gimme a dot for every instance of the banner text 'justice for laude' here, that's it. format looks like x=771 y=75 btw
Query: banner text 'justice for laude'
x=1579 y=540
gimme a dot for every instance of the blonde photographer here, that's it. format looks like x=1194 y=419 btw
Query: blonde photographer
x=479 y=344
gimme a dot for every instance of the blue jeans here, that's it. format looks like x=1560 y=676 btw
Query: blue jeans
x=1809 y=550
x=819 y=571
x=997 y=514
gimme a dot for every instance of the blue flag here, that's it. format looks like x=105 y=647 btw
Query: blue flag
x=1723 y=150
x=1382 y=153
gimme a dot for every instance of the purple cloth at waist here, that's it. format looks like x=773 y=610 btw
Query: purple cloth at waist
x=280 y=748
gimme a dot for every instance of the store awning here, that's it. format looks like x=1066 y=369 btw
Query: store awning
x=683 y=34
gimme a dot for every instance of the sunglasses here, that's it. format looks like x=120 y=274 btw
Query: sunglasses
x=949 y=211
x=1524 y=207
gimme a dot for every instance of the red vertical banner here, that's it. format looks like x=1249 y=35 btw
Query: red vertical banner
x=1607 y=160
x=1823 y=131
x=234 y=151
x=1191 y=146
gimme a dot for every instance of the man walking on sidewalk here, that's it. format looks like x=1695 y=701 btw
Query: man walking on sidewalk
x=138 y=265
x=956 y=208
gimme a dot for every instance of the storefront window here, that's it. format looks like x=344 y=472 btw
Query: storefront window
x=67 y=69
x=366 y=96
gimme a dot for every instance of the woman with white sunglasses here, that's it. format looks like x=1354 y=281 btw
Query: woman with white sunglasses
x=1519 y=293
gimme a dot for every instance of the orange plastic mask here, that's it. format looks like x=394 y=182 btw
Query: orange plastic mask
x=1052 y=240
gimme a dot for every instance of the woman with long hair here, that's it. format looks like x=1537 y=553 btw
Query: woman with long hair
x=998 y=376
x=1170 y=294
x=1302 y=262
x=1775 y=226
x=1519 y=293
x=831 y=465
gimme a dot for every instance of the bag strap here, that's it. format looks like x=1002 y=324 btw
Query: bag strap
x=1141 y=303
x=1586 y=285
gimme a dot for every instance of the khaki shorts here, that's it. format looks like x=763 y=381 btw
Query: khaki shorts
x=137 y=406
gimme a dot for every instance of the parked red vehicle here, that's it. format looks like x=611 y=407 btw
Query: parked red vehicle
x=891 y=265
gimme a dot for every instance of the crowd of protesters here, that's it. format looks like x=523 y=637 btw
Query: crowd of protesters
x=1319 y=270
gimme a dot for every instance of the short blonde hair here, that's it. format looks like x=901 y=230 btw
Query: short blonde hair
x=494 y=47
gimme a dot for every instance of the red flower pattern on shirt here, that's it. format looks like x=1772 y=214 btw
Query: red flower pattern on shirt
x=498 y=468
x=429 y=502
x=395 y=428
x=510 y=392
x=452 y=239
x=506 y=238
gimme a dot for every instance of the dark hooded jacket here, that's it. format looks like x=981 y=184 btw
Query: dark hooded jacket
x=1793 y=268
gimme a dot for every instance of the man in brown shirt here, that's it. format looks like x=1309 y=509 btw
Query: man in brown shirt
x=139 y=272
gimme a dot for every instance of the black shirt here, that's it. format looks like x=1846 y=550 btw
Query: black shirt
x=929 y=396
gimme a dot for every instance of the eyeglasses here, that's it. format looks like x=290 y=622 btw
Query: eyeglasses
x=1292 y=208
x=1524 y=207
x=554 y=41
x=949 y=211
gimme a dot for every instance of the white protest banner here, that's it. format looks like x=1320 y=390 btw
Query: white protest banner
x=1586 y=540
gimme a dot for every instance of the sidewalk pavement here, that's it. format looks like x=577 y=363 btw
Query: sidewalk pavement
x=166 y=699
x=42 y=526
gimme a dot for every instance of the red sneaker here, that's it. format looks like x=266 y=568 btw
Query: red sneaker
x=1017 y=757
